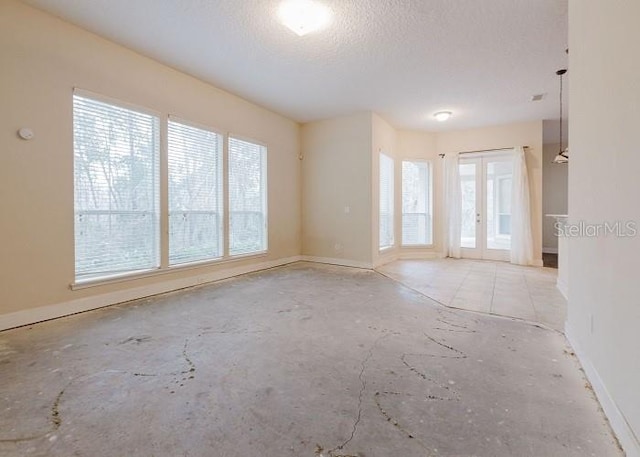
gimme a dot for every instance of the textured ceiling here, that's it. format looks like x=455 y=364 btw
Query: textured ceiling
x=404 y=59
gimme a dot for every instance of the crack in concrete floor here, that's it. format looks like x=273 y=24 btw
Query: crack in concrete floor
x=274 y=383
x=55 y=415
x=363 y=386
x=402 y=429
x=55 y=419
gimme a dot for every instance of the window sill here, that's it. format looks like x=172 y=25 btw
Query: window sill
x=155 y=272
x=417 y=246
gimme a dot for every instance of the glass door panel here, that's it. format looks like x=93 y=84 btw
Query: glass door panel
x=498 y=204
x=468 y=182
x=486 y=206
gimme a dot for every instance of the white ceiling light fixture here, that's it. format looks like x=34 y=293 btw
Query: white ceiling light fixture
x=304 y=16
x=442 y=116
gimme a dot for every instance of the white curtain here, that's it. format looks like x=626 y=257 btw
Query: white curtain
x=521 y=236
x=452 y=206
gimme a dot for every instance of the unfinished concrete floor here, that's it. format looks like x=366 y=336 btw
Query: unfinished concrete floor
x=499 y=288
x=303 y=360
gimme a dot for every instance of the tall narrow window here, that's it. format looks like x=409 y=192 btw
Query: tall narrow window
x=195 y=194
x=116 y=202
x=386 y=201
x=247 y=197
x=417 y=223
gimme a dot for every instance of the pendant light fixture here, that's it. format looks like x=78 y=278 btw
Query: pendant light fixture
x=563 y=154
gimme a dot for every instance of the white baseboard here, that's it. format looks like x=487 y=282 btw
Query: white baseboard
x=421 y=255
x=549 y=250
x=563 y=287
x=429 y=255
x=538 y=263
x=623 y=431
x=339 y=262
x=44 y=313
x=383 y=261
x=385 y=258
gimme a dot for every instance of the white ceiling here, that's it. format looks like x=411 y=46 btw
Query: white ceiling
x=404 y=59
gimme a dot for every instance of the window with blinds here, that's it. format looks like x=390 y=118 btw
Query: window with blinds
x=247 y=197
x=386 y=201
x=116 y=197
x=195 y=193
x=417 y=221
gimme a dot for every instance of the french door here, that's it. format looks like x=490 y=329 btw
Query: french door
x=486 y=207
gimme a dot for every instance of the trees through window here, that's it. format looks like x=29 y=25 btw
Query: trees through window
x=386 y=201
x=195 y=193
x=247 y=197
x=117 y=201
x=417 y=221
x=116 y=157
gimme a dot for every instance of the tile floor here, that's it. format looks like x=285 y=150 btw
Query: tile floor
x=499 y=288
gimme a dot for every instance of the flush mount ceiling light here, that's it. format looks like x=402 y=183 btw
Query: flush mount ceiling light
x=304 y=16
x=442 y=116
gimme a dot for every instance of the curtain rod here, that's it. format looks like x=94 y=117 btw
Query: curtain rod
x=485 y=150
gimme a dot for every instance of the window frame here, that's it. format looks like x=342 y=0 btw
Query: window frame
x=392 y=201
x=265 y=196
x=431 y=187
x=158 y=176
x=221 y=176
x=162 y=183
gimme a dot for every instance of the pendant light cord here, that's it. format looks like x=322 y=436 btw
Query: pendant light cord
x=561 y=150
x=561 y=74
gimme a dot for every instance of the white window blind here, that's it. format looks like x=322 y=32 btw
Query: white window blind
x=247 y=197
x=116 y=153
x=386 y=201
x=195 y=193
x=417 y=223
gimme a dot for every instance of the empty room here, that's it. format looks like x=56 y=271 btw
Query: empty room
x=319 y=228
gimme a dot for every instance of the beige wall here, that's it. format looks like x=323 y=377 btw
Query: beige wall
x=417 y=145
x=604 y=186
x=336 y=197
x=43 y=59
x=506 y=136
x=338 y=154
x=335 y=207
x=555 y=188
